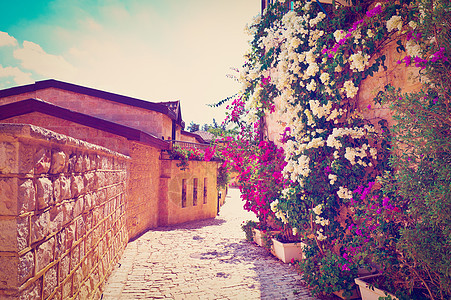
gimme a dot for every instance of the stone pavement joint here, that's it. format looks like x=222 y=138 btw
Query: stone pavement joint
x=208 y=259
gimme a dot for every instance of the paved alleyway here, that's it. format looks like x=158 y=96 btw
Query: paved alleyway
x=203 y=260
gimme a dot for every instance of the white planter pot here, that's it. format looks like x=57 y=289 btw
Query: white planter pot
x=287 y=251
x=368 y=293
x=258 y=235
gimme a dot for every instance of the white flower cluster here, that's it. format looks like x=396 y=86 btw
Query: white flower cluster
x=319 y=18
x=294 y=168
x=395 y=22
x=320 y=236
x=358 y=61
x=278 y=213
x=339 y=35
x=412 y=48
x=350 y=89
x=352 y=153
x=344 y=193
x=332 y=178
x=320 y=110
x=355 y=133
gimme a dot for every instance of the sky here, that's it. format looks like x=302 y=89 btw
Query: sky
x=154 y=50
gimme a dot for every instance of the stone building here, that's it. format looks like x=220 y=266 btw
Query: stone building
x=83 y=171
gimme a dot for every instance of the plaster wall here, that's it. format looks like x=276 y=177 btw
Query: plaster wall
x=62 y=214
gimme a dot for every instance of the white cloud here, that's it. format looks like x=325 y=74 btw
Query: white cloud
x=18 y=75
x=34 y=58
x=7 y=40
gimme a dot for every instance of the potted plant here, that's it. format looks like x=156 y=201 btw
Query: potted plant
x=287 y=247
x=369 y=291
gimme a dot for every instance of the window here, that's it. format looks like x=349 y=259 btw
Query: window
x=205 y=190
x=194 y=191
x=183 y=192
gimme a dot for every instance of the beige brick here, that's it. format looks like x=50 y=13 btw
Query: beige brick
x=26 y=154
x=32 y=292
x=50 y=281
x=45 y=254
x=8 y=196
x=76 y=186
x=23 y=232
x=56 y=218
x=8 y=157
x=26 y=267
x=44 y=196
x=40 y=224
x=9 y=277
x=78 y=206
x=42 y=161
x=67 y=289
x=26 y=196
x=64 y=268
x=8 y=235
x=60 y=244
x=65 y=187
x=59 y=162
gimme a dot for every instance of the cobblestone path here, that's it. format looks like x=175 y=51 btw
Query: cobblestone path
x=203 y=260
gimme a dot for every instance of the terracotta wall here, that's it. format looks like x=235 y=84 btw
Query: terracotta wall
x=142 y=203
x=173 y=178
x=146 y=120
x=62 y=214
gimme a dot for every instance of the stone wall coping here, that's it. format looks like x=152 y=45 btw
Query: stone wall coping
x=36 y=132
x=26 y=106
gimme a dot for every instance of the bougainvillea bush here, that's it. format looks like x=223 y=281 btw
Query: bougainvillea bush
x=306 y=63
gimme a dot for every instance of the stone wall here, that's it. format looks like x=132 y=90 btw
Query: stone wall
x=62 y=214
x=172 y=181
x=142 y=203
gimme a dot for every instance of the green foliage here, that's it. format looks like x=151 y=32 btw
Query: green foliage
x=248 y=228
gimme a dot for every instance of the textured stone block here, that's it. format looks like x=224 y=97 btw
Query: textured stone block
x=77 y=186
x=74 y=258
x=50 y=281
x=8 y=235
x=45 y=254
x=56 y=218
x=68 y=212
x=44 y=195
x=26 y=267
x=67 y=289
x=60 y=244
x=26 y=196
x=9 y=277
x=78 y=206
x=26 y=163
x=40 y=224
x=64 y=268
x=23 y=232
x=32 y=292
x=70 y=235
x=65 y=187
x=42 y=161
x=81 y=228
x=59 y=162
x=8 y=157
x=8 y=196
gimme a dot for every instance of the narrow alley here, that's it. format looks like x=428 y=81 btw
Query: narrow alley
x=207 y=259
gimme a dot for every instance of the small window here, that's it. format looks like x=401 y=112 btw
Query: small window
x=205 y=190
x=194 y=191
x=183 y=192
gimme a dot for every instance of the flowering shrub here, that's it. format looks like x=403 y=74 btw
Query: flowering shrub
x=307 y=63
x=186 y=154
